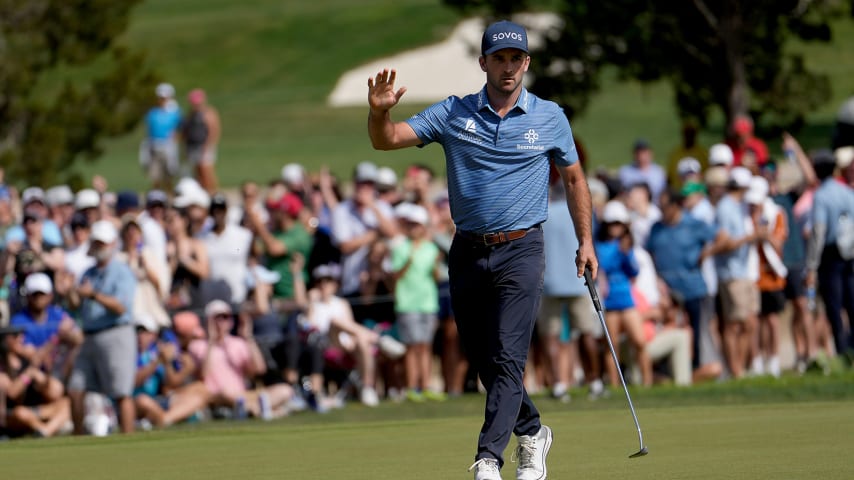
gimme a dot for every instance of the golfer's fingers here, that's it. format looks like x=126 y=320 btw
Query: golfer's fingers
x=391 y=77
x=399 y=94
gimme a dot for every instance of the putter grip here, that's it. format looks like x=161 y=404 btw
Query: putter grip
x=591 y=286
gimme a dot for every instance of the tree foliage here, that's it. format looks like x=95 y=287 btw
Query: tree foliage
x=726 y=54
x=43 y=134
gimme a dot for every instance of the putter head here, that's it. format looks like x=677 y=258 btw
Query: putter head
x=640 y=453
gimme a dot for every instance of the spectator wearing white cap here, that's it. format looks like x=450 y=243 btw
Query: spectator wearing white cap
x=772 y=275
x=294 y=176
x=33 y=254
x=738 y=270
x=60 y=203
x=107 y=359
x=195 y=203
x=387 y=187
x=688 y=170
x=617 y=263
x=34 y=202
x=414 y=261
x=88 y=201
x=357 y=223
x=158 y=152
x=49 y=331
x=845 y=163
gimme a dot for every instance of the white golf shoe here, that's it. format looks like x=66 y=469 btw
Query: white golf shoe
x=531 y=454
x=486 y=469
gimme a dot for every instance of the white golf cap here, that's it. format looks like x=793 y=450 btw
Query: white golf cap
x=59 y=195
x=615 y=212
x=165 y=90
x=688 y=166
x=844 y=156
x=401 y=210
x=193 y=197
x=758 y=191
x=104 y=231
x=217 y=307
x=38 y=283
x=186 y=184
x=32 y=194
x=365 y=172
x=293 y=173
x=386 y=178
x=146 y=321
x=418 y=214
x=740 y=177
x=597 y=188
x=87 y=198
x=720 y=154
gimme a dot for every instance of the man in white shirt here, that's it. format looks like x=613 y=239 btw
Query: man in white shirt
x=228 y=247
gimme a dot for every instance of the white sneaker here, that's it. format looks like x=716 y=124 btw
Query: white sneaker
x=774 y=366
x=390 y=347
x=486 y=469
x=369 y=397
x=265 y=407
x=531 y=454
x=757 y=367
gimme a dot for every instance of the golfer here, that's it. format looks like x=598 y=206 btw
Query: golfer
x=498 y=144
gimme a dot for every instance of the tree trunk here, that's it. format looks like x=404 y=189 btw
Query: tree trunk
x=731 y=28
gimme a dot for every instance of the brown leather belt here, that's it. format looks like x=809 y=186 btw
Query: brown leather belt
x=495 y=238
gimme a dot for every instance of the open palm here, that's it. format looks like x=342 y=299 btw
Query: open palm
x=381 y=93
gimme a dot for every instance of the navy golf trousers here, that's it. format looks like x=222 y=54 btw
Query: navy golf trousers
x=836 y=284
x=495 y=293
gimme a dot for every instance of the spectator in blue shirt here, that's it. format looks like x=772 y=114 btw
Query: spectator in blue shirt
x=679 y=243
x=158 y=153
x=643 y=169
x=107 y=359
x=617 y=261
x=48 y=329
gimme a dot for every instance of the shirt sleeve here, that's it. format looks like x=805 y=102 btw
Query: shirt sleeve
x=399 y=255
x=341 y=231
x=430 y=123
x=123 y=287
x=564 y=154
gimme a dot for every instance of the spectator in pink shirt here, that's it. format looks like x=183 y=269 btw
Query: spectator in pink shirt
x=229 y=362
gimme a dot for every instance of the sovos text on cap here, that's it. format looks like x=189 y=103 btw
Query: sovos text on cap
x=503 y=34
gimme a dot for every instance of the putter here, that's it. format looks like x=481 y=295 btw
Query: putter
x=594 y=295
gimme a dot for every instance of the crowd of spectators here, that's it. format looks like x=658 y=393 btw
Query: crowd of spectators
x=123 y=310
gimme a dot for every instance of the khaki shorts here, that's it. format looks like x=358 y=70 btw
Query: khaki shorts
x=739 y=300
x=579 y=310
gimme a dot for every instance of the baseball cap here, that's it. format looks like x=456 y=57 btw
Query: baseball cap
x=742 y=125
x=641 y=144
x=32 y=194
x=331 y=270
x=757 y=192
x=59 y=195
x=740 y=177
x=187 y=324
x=365 y=172
x=688 y=166
x=293 y=173
x=87 y=198
x=219 y=201
x=146 y=322
x=615 y=212
x=79 y=220
x=104 y=231
x=156 y=197
x=417 y=214
x=386 y=179
x=822 y=157
x=720 y=154
x=193 y=197
x=165 y=90
x=716 y=176
x=196 y=96
x=503 y=34
x=597 y=188
x=126 y=200
x=38 y=283
x=217 y=307
x=844 y=156
x=186 y=184
x=289 y=204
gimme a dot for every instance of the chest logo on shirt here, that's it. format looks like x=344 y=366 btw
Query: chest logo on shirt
x=469 y=133
x=531 y=136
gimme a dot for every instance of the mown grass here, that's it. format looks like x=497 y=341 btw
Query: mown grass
x=757 y=429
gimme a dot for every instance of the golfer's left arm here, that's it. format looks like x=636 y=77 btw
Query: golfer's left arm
x=581 y=209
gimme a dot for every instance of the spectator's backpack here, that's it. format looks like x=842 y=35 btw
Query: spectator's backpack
x=194 y=129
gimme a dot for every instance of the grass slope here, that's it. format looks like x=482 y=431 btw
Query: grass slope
x=269 y=64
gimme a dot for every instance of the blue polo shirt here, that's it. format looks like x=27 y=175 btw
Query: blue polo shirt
x=676 y=249
x=498 y=168
x=561 y=275
x=162 y=122
x=731 y=216
x=832 y=200
x=39 y=333
x=115 y=280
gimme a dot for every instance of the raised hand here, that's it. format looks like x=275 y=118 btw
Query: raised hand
x=381 y=93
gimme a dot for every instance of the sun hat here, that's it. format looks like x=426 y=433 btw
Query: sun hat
x=104 y=231
x=720 y=154
x=615 y=212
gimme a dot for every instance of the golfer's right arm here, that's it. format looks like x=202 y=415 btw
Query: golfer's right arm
x=386 y=134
